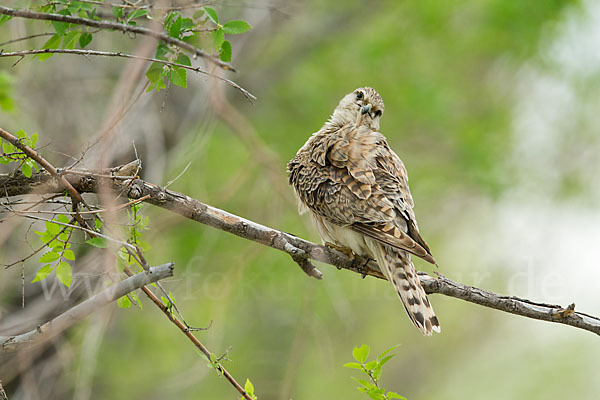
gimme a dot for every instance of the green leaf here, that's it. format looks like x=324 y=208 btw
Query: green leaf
x=137 y=14
x=361 y=353
x=34 y=139
x=85 y=39
x=179 y=76
x=175 y=29
x=212 y=14
x=52 y=228
x=124 y=302
x=187 y=23
x=135 y=298
x=387 y=351
x=48 y=257
x=353 y=365
x=381 y=363
x=198 y=14
x=183 y=60
x=249 y=388
x=98 y=224
x=62 y=218
x=371 y=364
x=97 y=242
x=69 y=255
x=225 y=51
x=70 y=39
x=64 y=273
x=42 y=273
x=218 y=38
x=366 y=384
x=61 y=27
x=117 y=12
x=52 y=43
x=26 y=169
x=4 y=18
x=377 y=373
x=236 y=27
x=394 y=395
x=7 y=147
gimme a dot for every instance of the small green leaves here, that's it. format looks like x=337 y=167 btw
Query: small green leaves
x=11 y=153
x=373 y=370
x=124 y=302
x=236 y=27
x=361 y=353
x=249 y=389
x=4 y=18
x=56 y=236
x=212 y=14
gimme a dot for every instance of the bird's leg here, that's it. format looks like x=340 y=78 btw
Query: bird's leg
x=346 y=250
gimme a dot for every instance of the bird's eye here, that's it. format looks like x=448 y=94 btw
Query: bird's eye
x=378 y=113
x=359 y=95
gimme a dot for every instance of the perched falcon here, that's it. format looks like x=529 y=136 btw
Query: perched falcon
x=356 y=190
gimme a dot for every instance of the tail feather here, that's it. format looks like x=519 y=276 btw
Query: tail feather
x=397 y=266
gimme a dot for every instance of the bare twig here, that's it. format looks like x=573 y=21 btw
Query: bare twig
x=81 y=52
x=187 y=332
x=162 y=36
x=290 y=244
x=80 y=311
x=26 y=38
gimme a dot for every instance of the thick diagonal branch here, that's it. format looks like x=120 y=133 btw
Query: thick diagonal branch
x=90 y=181
x=82 y=310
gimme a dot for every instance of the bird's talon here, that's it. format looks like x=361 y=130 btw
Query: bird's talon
x=346 y=250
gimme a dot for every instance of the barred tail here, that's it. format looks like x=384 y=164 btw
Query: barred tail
x=397 y=266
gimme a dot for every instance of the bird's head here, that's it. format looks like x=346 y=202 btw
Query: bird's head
x=364 y=106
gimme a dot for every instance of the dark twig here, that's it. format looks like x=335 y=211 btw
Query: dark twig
x=81 y=52
x=162 y=36
x=188 y=332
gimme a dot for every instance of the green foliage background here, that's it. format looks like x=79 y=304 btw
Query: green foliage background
x=449 y=74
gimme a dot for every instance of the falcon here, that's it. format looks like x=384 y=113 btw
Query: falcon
x=355 y=189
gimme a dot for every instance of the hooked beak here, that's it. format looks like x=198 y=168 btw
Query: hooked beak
x=365 y=109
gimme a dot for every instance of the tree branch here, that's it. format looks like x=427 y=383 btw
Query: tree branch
x=297 y=248
x=82 y=310
x=80 y=52
x=162 y=36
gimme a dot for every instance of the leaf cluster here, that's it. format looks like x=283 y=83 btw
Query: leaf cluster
x=373 y=370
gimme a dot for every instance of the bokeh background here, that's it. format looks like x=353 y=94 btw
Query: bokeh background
x=492 y=105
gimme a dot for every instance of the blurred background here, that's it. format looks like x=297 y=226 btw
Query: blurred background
x=492 y=105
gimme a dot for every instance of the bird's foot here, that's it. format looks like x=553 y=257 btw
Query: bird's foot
x=346 y=250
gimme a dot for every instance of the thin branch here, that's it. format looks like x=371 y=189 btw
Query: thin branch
x=296 y=247
x=82 y=52
x=15 y=141
x=26 y=38
x=82 y=310
x=187 y=332
x=162 y=36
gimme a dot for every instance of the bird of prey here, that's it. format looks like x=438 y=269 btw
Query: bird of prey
x=356 y=190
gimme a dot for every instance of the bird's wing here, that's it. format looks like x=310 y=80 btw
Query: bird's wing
x=352 y=178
